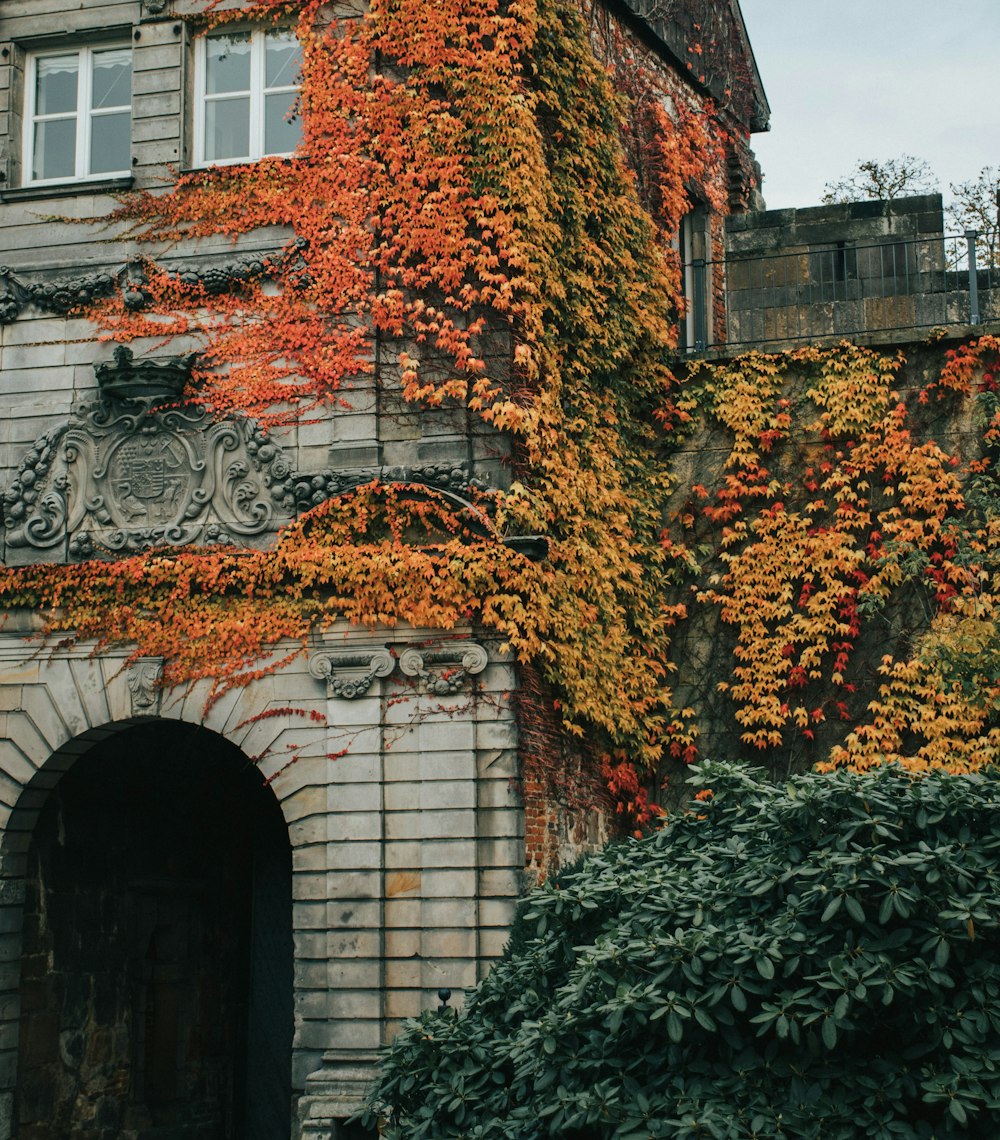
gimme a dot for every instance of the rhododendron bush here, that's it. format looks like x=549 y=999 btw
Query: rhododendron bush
x=813 y=959
x=479 y=219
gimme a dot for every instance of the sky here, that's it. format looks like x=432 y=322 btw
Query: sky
x=857 y=79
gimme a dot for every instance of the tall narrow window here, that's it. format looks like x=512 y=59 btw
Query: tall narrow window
x=695 y=241
x=78 y=119
x=247 y=83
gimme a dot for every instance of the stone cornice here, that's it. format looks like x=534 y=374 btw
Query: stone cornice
x=67 y=295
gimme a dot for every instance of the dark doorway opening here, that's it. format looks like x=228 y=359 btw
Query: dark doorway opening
x=156 y=992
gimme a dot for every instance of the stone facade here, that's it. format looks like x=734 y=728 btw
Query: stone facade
x=405 y=831
x=414 y=800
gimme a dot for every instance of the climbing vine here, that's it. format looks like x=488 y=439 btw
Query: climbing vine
x=461 y=208
x=479 y=221
x=844 y=528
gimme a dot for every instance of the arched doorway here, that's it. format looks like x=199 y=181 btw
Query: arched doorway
x=156 y=990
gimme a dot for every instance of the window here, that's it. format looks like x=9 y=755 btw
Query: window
x=247 y=83
x=78 y=117
x=694 y=241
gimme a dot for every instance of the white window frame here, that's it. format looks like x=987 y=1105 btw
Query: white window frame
x=83 y=114
x=257 y=93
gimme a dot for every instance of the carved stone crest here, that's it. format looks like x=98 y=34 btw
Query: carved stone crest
x=119 y=478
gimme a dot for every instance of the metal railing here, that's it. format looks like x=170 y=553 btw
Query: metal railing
x=810 y=293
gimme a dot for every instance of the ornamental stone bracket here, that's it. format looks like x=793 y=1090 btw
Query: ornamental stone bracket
x=121 y=477
x=444 y=669
x=439 y=670
x=143 y=680
x=350 y=675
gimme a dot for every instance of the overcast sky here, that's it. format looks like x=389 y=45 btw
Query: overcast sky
x=857 y=79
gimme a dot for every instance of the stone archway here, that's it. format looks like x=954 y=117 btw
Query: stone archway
x=156 y=983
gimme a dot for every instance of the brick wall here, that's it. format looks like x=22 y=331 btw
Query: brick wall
x=567 y=807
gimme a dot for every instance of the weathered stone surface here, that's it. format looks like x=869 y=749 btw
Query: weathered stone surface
x=857 y=268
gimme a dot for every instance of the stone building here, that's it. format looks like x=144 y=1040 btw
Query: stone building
x=198 y=937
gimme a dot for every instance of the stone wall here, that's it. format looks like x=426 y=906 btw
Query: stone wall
x=843 y=269
x=703 y=646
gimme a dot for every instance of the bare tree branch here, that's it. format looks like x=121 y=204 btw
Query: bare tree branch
x=882 y=181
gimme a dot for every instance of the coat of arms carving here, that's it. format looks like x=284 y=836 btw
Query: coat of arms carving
x=122 y=476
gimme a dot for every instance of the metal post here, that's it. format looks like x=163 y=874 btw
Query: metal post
x=970 y=237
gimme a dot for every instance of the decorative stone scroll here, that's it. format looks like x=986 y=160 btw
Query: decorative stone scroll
x=444 y=669
x=143 y=680
x=350 y=674
x=123 y=477
x=60 y=296
x=441 y=669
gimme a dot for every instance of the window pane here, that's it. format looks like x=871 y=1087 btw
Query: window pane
x=112 y=86
x=110 y=143
x=280 y=135
x=283 y=58
x=227 y=129
x=228 y=63
x=55 y=149
x=55 y=90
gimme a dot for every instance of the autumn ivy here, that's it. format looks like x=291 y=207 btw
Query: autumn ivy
x=477 y=207
x=843 y=530
x=465 y=201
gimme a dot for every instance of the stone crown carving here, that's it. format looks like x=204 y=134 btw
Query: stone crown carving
x=125 y=378
x=438 y=670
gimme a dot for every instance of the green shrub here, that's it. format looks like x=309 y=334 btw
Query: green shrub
x=813 y=960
